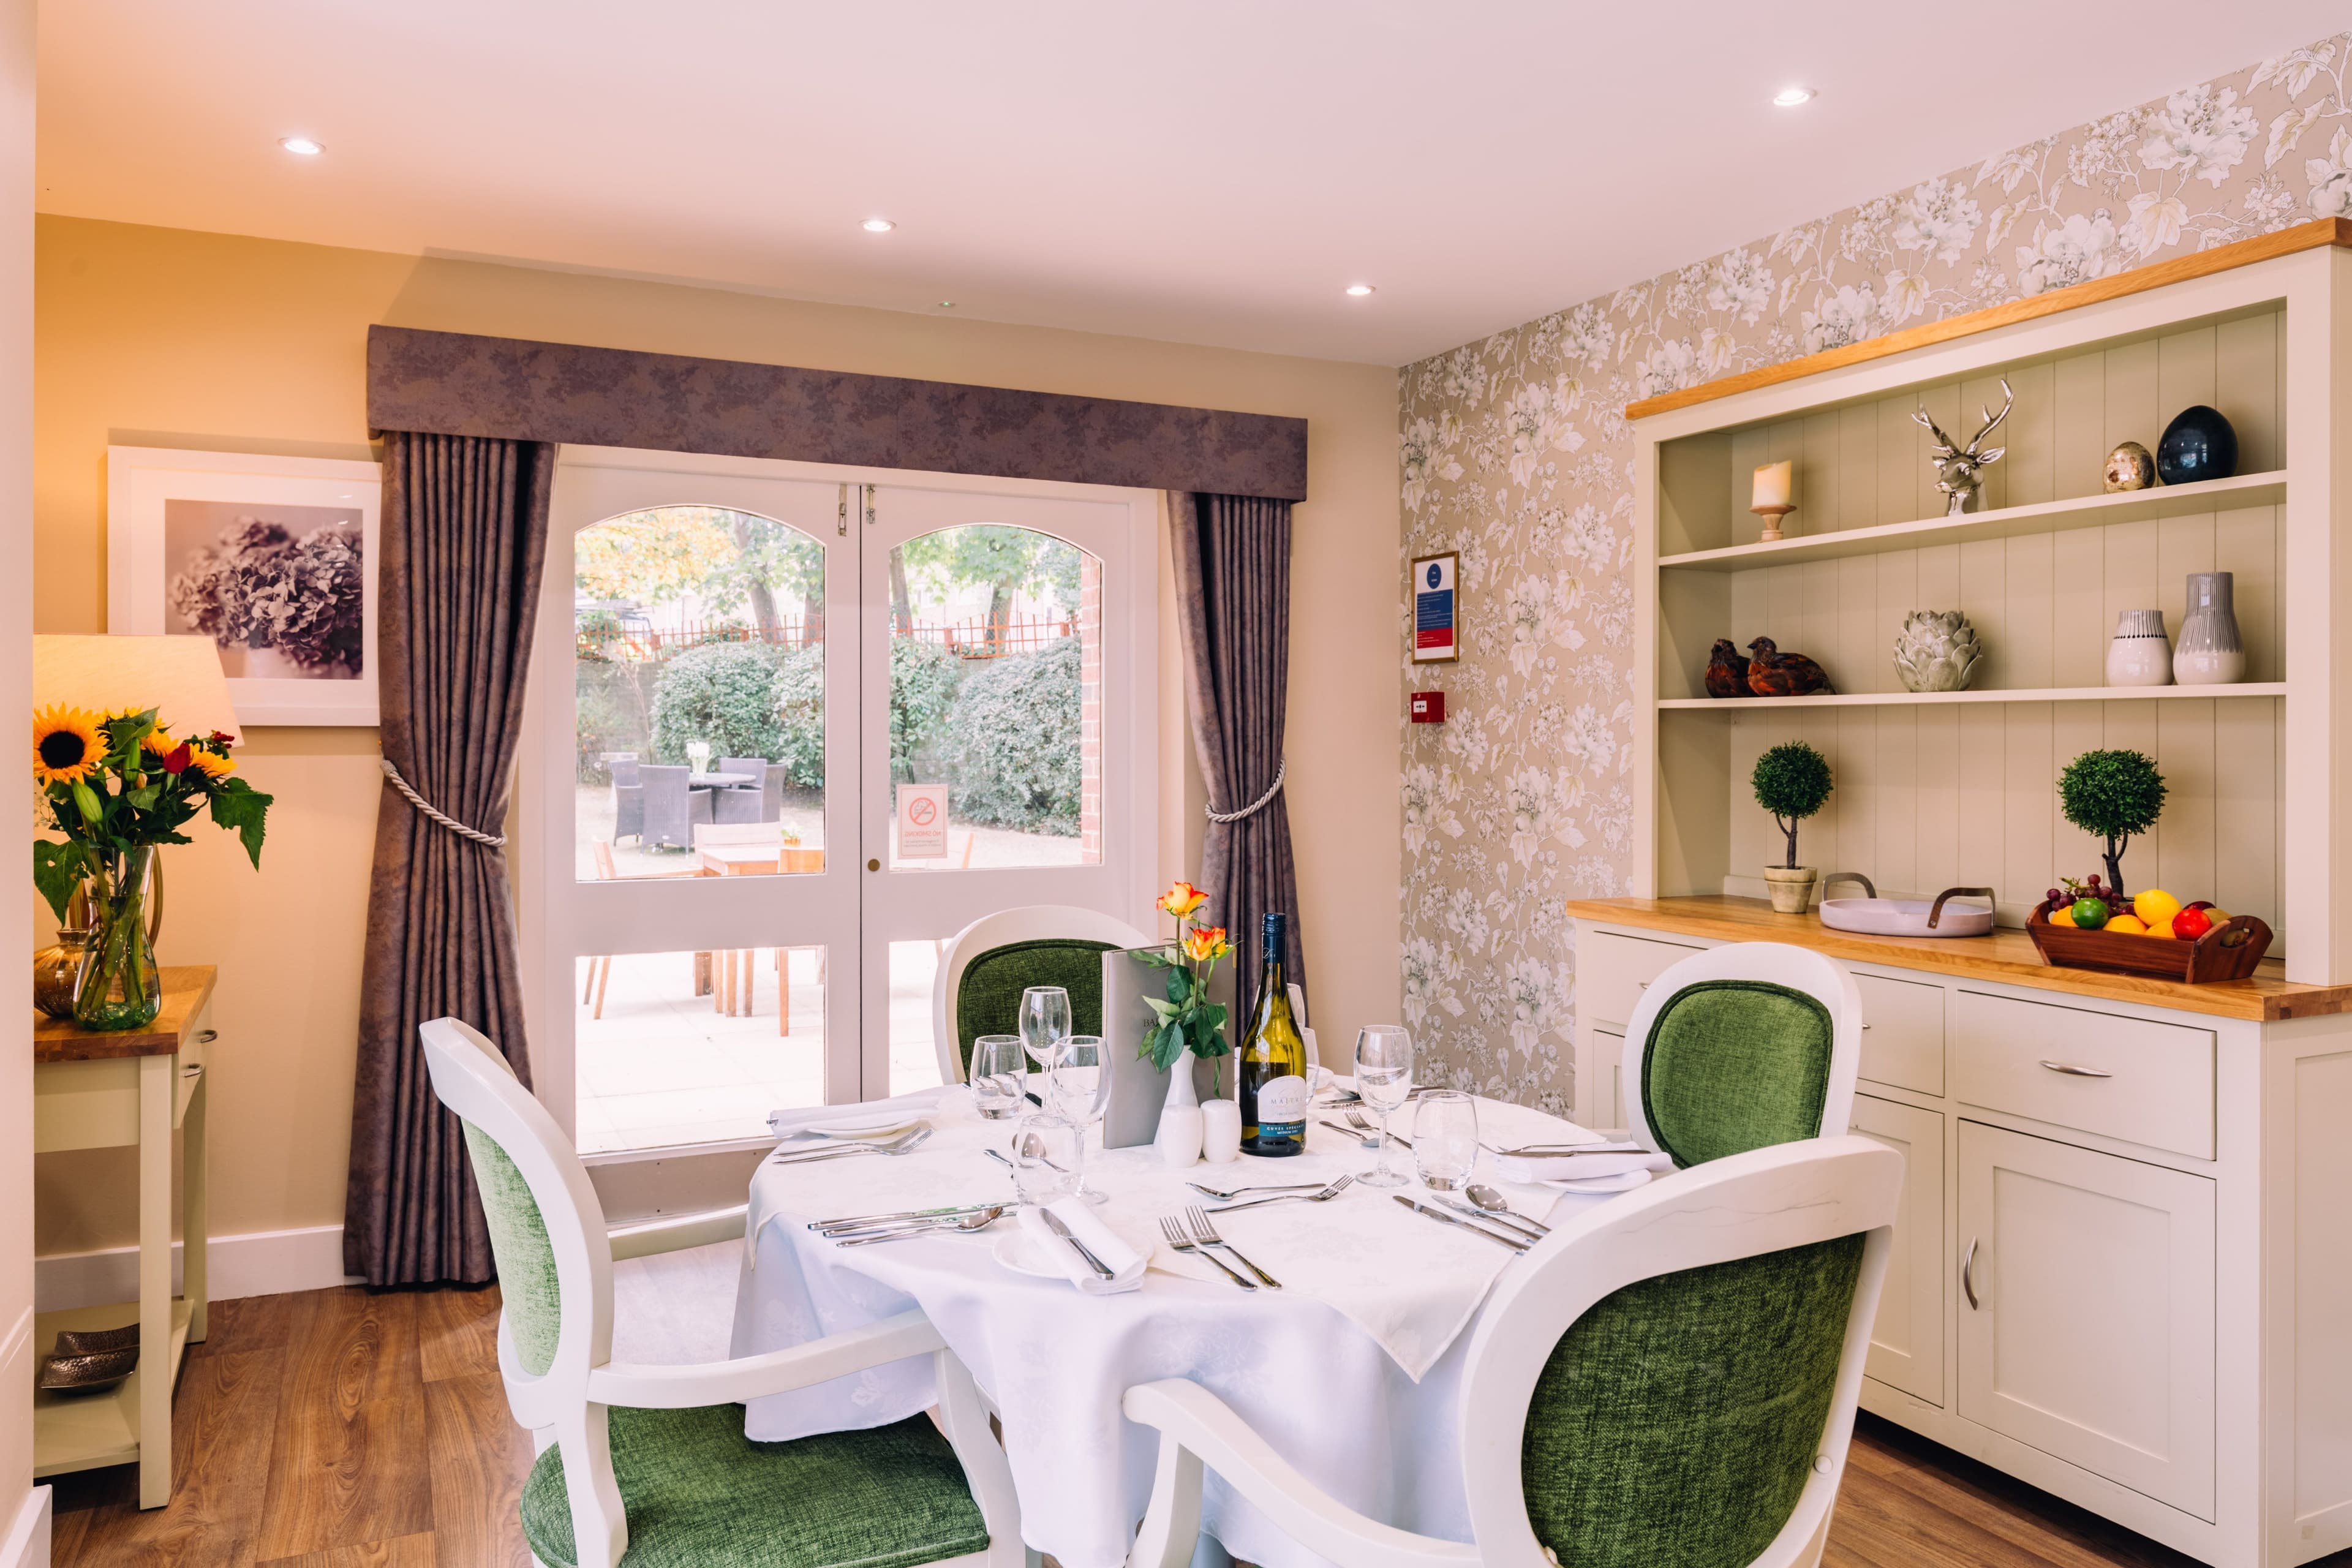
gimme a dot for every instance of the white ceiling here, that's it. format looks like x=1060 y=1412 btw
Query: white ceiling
x=1200 y=171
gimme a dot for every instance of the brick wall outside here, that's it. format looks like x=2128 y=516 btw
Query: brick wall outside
x=1090 y=708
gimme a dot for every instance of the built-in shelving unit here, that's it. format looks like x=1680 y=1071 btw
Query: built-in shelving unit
x=1754 y=705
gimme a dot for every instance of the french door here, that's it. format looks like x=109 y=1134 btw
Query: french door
x=742 y=671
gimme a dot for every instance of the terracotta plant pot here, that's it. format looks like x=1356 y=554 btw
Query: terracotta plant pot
x=1792 y=891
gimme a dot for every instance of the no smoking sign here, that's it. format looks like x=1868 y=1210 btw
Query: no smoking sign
x=922 y=822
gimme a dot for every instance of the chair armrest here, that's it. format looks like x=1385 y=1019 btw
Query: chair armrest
x=754 y=1376
x=1187 y=1413
x=672 y=1235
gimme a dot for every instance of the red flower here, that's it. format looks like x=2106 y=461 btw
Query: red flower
x=177 y=761
x=220 y=738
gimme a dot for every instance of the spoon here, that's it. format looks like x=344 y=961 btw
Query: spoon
x=1493 y=1201
x=979 y=1220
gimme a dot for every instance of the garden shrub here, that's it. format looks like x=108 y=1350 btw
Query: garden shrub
x=800 y=716
x=923 y=681
x=1012 y=741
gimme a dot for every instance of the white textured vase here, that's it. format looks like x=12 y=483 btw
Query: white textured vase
x=1179 y=1138
x=2211 y=652
x=2140 y=654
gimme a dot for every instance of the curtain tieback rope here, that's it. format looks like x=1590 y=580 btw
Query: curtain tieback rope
x=1253 y=807
x=494 y=840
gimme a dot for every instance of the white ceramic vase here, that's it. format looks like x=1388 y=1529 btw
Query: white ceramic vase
x=2140 y=654
x=1221 y=1131
x=1179 y=1138
x=2211 y=652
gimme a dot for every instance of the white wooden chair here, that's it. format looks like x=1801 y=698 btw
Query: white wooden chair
x=1668 y=1379
x=1741 y=1045
x=1053 y=944
x=648 y=1465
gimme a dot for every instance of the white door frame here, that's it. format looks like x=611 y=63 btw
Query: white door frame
x=560 y=917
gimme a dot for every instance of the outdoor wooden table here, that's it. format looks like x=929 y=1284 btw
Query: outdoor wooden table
x=731 y=984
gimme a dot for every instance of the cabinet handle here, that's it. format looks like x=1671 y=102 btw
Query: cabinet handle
x=1967 y=1275
x=206 y=1037
x=1865 y=1028
x=2071 y=1070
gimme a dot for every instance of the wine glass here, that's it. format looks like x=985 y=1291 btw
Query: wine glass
x=1000 y=1076
x=1080 y=1083
x=1048 y=1155
x=1044 y=1023
x=1384 y=1078
x=1445 y=1140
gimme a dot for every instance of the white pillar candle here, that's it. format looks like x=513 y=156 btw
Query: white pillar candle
x=1773 y=483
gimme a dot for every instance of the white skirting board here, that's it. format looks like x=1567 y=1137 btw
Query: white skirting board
x=26 y=1543
x=260 y=1263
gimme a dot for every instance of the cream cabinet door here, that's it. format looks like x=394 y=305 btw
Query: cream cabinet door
x=1610 y=1067
x=1906 y=1344
x=2086 y=1319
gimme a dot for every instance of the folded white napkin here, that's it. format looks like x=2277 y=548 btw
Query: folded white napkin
x=1566 y=1167
x=1126 y=1264
x=793 y=1122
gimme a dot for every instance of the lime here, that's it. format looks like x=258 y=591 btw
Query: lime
x=2089 y=913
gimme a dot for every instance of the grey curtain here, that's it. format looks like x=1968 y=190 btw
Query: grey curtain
x=1233 y=589
x=465 y=542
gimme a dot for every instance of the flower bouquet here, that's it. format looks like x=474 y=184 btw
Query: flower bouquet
x=117 y=786
x=1188 y=1020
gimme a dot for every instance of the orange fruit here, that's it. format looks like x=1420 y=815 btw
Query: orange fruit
x=2156 y=909
x=2127 y=924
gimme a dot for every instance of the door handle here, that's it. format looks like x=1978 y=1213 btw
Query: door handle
x=1967 y=1275
x=2071 y=1070
x=873 y=865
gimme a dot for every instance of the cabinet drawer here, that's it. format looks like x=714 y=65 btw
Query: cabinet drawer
x=1902 y=1033
x=1611 y=970
x=2127 y=1077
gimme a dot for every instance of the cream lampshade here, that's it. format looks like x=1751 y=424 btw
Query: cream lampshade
x=179 y=676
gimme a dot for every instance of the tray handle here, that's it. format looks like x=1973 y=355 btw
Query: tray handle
x=1868 y=892
x=1937 y=912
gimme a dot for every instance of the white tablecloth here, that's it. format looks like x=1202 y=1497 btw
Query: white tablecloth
x=1307 y=1372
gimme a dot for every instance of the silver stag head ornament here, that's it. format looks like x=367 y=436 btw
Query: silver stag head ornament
x=1959 y=471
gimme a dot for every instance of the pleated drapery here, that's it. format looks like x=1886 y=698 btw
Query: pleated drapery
x=1233 y=589
x=465 y=544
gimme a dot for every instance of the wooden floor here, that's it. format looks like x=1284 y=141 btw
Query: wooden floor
x=341 y=1429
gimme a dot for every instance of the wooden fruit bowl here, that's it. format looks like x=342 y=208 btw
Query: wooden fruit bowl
x=2228 y=952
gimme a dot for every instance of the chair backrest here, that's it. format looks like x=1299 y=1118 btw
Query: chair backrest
x=990 y=961
x=624 y=769
x=755 y=768
x=1672 y=1376
x=662 y=782
x=555 y=1264
x=1739 y=1047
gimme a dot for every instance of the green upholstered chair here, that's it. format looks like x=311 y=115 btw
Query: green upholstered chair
x=1667 y=1381
x=648 y=1466
x=1739 y=1047
x=992 y=961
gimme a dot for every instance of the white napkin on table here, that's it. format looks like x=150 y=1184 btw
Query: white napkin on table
x=1126 y=1264
x=797 y=1121
x=1567 y=1167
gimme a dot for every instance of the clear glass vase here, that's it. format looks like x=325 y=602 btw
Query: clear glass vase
x=119 y=987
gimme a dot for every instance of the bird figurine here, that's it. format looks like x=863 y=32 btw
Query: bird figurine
x=1726 y=671
x=1771 y=673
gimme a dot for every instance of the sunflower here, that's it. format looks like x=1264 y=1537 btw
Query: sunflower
x=65 y=746
x=215 y=765
x=157 y=742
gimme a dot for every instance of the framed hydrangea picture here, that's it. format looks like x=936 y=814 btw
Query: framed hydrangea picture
x=272 y=558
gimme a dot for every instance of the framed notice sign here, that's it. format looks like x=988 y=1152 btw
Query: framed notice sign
x=1432 y=610
x=922 y=822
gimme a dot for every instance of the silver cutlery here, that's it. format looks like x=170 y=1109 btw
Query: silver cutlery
x=1442 y=1217
x=1483 y=1196
x=1267 y=1187
x=906 y=1142
x=1054 y=1223
x=1206 y=1235
x=1353 y=1132
x=1178 y=1239
x=959 y=1225
x=1557 y=1151
x=1514 y=1226
x=860 y=1221
x=1363 y=1124
x=1325 y=1196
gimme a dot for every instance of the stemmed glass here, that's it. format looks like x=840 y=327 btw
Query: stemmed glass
x=1044 y=1023
x=1081 y=1089
x=1384 y=1078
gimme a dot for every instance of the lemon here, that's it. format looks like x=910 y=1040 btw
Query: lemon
x=2156 y=909
x=2127 y=924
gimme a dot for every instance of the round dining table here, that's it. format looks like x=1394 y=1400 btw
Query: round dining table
x=717 y=781
x=1352 y=1370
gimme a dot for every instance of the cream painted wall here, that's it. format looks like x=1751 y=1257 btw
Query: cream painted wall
x=166 y=337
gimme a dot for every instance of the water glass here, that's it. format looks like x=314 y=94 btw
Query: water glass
x=1045 y=1022
x=1080 y=1089
x=1000 y=1076
x=1384 y=1077
x=1049 y=1157
x=1445 y=1140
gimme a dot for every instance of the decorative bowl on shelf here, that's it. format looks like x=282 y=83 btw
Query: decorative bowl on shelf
x=1875 y=916
x=2229 y=951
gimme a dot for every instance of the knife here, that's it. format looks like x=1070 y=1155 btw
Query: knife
x=1559 y=1151
x=1497 y=1238
x=1511 y=1223
x=1054 y=1222
x=852 y=1222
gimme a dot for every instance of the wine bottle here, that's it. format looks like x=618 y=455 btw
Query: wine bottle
x=1270 y=1068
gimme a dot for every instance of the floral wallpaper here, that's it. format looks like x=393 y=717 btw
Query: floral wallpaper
x=1515 y=451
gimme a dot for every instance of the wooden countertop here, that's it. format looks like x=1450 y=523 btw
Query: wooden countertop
x=2007 y=955
x=187 y=989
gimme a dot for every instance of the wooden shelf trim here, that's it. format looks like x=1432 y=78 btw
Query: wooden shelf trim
x=2042 y=516
x=187 y=989
x=84 y=1431
x=2007 y=957
x=1940 y=699
x=2097 y=290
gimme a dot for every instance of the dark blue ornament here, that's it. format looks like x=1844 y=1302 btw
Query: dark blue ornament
x=2198 y=445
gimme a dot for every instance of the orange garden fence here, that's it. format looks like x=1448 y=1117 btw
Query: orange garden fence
x=610 y=640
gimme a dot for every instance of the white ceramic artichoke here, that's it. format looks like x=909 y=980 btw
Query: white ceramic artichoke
x=1937 y=651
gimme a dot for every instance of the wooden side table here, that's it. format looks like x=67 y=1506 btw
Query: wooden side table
x=103 y=1092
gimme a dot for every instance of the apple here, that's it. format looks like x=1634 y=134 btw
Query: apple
x=2192 y=923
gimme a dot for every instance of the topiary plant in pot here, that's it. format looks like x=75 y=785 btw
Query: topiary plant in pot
x=1791 y=780
x=2112 y=795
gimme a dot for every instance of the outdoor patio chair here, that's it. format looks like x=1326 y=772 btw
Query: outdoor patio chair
x=761 y=802
x=628 y=797
x=672 y=807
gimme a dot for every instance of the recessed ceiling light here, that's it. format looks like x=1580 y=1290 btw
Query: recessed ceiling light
x=301 y=146
x=878 y=226
x=1358 y=290
x=1790 y=97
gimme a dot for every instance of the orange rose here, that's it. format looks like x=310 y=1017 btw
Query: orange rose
x=1204 y=945
x=1181 y=899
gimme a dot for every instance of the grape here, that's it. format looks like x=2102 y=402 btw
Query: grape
x=2053 y=895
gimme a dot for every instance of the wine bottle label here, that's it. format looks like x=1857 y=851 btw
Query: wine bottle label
x=1282 y=1104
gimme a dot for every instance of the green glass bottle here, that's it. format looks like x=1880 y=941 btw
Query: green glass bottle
x=1270 y=1067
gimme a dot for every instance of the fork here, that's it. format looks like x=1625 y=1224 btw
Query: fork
x=905 y=1143
x=1183 y=1243
x=1244 y=1192
x=1206 y=1235
x=1325 y=1196
x=1363 y=1124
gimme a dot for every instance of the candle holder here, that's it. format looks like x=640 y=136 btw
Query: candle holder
x=1771 y=515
